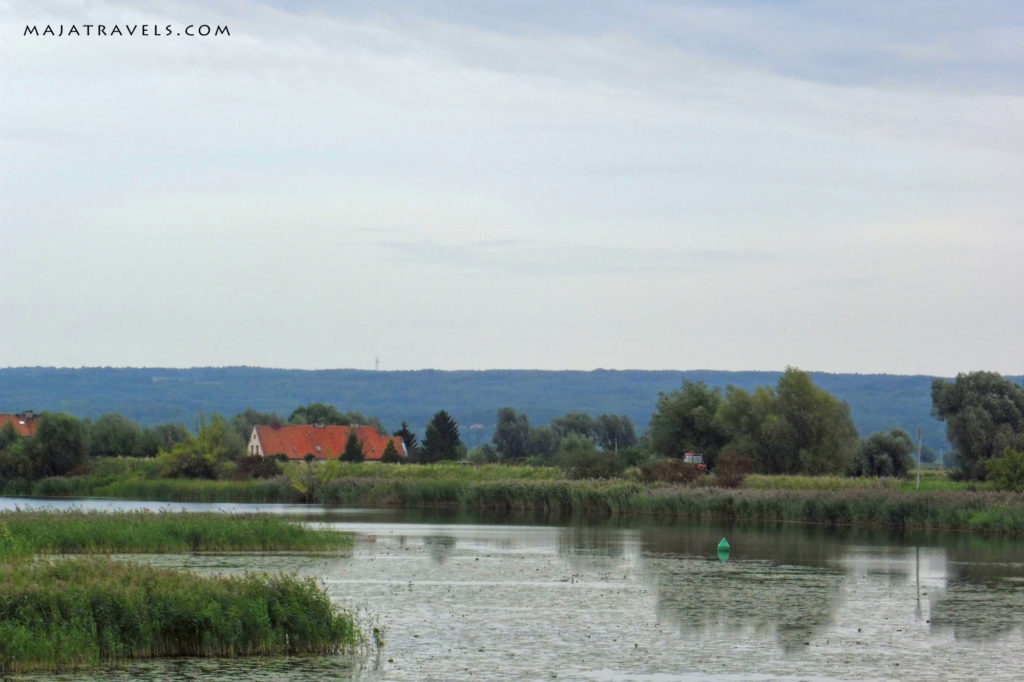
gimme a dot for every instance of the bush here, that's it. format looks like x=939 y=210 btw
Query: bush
x=579 y=458
x=732 y=469
x=254 y=466
x=1007 y=471
x=670 y=471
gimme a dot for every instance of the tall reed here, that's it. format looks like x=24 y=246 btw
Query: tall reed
x=73 y=613
x=76 y=532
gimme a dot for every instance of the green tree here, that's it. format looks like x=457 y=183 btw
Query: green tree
x=14 y=460
x=149 y=443
x=886 y=454
x=579 y=457
x=114 y=435
x=1007 y=470
x=580 y=423
x=796 y=428
x=512 y=434
x=410 y=440
x=322 y=413
x=59 y=446
x=615 y=432
x=390 y=454
x=684 y=421
x=243 y=422
x=8 y=435
x=208 y=454
x=354 y=449
x=543 y=442
x=483 y=454
x=318 y=413
x=928 y=455
x=442 y=440
x=984 y=415
x=171 y=434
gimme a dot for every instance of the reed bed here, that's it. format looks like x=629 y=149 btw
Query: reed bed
x=829 y=500
x=782 y=482
x=447 y=471
x=879 y=506
x=81 y=612
x=75 y=532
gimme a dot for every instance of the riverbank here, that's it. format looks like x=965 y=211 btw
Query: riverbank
x=830 y=501
x=60 y=613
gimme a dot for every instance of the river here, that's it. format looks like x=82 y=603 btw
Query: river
x=467 y=597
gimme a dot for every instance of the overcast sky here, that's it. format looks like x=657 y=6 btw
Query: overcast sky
x=837 y=186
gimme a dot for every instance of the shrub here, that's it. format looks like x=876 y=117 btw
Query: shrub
x=670 y=471
x=732 y=469
x=1007 y=471
x=390 y=455
x=579 y=458
x=254 y=466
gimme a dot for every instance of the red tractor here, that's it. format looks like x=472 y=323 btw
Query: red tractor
x=696 y=459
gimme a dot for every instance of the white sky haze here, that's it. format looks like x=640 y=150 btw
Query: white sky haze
x=552 y=185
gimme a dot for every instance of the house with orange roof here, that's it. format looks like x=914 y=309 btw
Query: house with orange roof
x=319 y=440
x=25 y=423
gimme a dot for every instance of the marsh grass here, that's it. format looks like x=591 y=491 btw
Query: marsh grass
x=832 y=500
x=76 y=532
x=781 y=482
x=71 y=612
x=82 y=612
x=445 y=471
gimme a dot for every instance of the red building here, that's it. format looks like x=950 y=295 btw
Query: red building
x=323 y=442
x=25 y=423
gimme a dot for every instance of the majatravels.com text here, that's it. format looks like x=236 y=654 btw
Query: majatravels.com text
x=125 y=30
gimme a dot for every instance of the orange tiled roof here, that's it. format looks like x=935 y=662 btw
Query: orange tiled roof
x=324 y=442
x=26 y=426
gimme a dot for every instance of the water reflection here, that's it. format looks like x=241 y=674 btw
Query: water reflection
x=474 y=597
x=440 y=547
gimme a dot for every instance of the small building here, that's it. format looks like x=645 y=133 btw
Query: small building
x=321 y=441
x=25 y=423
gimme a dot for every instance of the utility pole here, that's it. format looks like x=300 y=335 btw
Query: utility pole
x=920 y=442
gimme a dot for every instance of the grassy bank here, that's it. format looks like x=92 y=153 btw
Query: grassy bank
x=832 y=500
x=29 y=533
x=65 y=614
x=62 y=613
x=878 y=505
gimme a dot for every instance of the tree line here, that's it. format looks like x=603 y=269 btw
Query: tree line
x=794 y=427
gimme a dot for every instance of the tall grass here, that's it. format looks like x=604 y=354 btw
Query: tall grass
x=831 y=500
x=75 y=532
x=65 y=614
x=780 y=482
x=447 y=471
x=877 y=505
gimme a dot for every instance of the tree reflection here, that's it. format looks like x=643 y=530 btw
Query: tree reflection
x=789 y=603
x=440 y=547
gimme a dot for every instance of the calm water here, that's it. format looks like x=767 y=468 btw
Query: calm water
x=472 y=598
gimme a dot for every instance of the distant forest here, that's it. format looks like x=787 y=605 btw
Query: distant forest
x=154 y=395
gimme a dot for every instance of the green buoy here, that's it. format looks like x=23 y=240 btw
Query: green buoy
x=723 y=550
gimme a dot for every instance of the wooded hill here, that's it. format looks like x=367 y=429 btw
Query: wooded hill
x=156 y=395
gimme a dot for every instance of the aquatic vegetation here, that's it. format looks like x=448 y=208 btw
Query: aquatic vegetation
x=74 y=532
x=59 y=613
x=783 y=482
x=833 y=500
x=71 y=613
